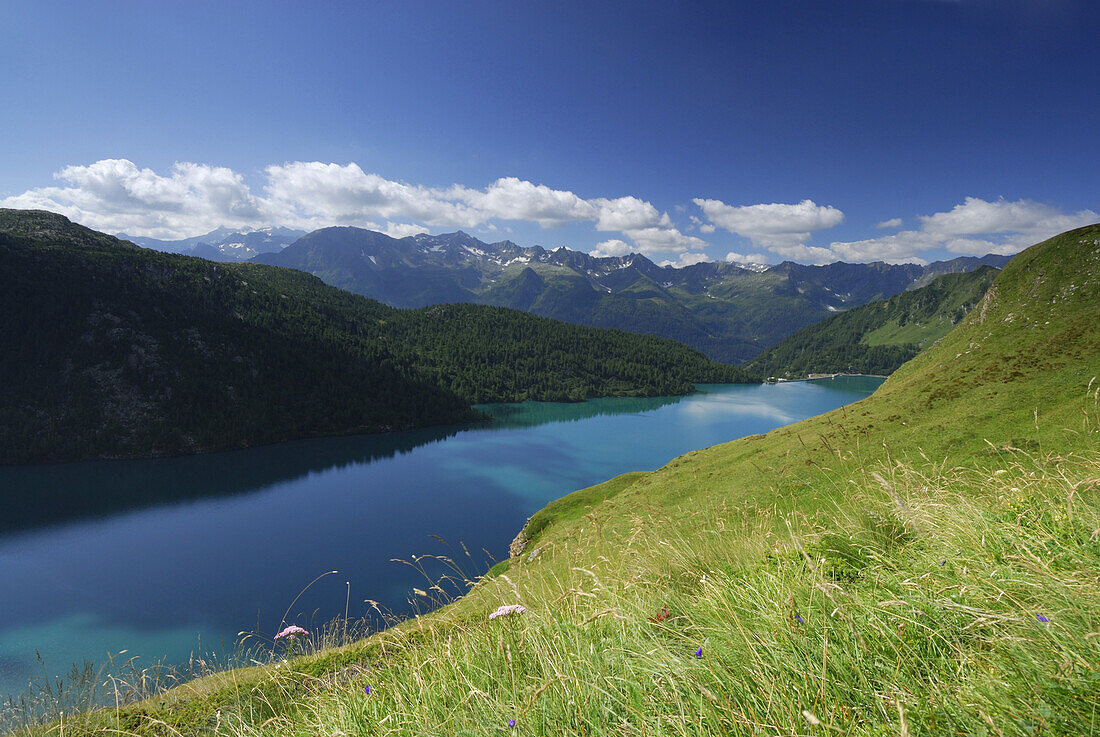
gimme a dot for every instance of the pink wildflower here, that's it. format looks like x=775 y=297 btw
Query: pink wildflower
x=508 y=609
x=291 y=632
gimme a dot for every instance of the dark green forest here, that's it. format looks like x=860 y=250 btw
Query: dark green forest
x=110 y=350
x=878 y=337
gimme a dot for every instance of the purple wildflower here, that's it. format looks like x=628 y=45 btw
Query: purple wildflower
x=1041 y=618
x=366 y=690
x=511 y=722
x=291 y=632
x=699 y=653
x=798 y=618
x=508 y=609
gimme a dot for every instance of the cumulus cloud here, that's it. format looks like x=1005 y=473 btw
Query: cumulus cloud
x=509 y=198
x=981 y=246
x=704 y=227
x=979 y=217
x=613 y=247
x=311 y=193
x=116 y=196
x=746 y=258
x=975 y=227
x=812 y=254
x=628 y=213
x=685 y=259
x=774 y=219
x=664 y=239
x=403 y=230
x=782 y=228
x=897 y=247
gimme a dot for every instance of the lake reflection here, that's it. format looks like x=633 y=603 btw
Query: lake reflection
x=151 y=555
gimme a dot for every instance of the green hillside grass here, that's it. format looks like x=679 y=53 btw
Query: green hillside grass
x=878 y=337
x=923 y=562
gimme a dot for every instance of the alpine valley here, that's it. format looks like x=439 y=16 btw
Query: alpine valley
x=112 y=350
x=730 y=312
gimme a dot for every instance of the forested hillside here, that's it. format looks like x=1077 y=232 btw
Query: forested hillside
x=493 y=354
x=878 y=337
x=111 y=350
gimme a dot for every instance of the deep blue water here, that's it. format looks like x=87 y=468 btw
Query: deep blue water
x=165 y=557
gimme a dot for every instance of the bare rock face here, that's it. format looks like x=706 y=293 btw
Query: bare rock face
x=519 y=543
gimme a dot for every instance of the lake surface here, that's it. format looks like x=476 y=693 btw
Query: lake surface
x=169 y=556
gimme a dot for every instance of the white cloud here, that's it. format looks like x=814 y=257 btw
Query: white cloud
x=660 y=239
x=746 y=258
x=974 y=227
x=982 y=246
x=696 y=222
x=781 y=228
x=311 y=193
x=403 y=230
x=686 y=259
x=979 y=217
x=115 y=195
x=761 y=223
x=509 y=198
x=797 y=252
x=899 y=246
x=613 y=247
x=628 y=213
x=907 y=260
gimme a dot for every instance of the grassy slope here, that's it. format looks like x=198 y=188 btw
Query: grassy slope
x=878 y=337
x=880 y=569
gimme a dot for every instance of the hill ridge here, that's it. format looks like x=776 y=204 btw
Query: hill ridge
x=880 y=336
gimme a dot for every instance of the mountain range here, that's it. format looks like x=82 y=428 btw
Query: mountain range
x=730 y=312
x=224 y=244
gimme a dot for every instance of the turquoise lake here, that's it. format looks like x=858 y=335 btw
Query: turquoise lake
x=165 y=557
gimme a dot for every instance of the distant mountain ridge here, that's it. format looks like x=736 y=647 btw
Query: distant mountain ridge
x=728 y=311
x=224 y=244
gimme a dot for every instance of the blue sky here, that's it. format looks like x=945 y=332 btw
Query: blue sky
x=815 y=130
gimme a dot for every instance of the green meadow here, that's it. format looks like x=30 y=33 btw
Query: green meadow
x=923 y=562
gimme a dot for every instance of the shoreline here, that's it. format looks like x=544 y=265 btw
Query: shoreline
x=816 y=377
